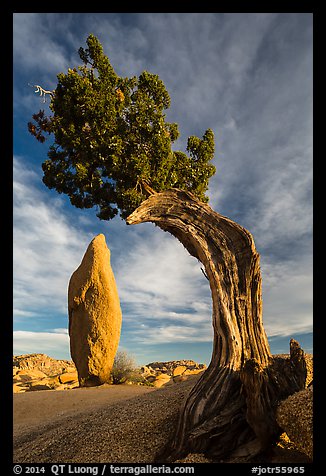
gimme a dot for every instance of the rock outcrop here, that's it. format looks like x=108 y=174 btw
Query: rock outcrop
x=295 y=417
x=40 y=372
x=165 y=373
x=94 y=315
x=43 y=363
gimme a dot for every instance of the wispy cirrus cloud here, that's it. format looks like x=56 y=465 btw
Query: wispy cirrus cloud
x=246 y=76
x=46 y=247
x=42 y=52
x=165 y=333
x=287 y=296
x=158 y=282
x=160 y=271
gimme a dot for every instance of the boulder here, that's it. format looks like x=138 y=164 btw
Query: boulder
x=151 y=378
x=168 y=373
x=295 y=416
x=40 y=385
x=19 y=387
x=179 y=370
x=41 y=370
x=68 y=377
x=61 y=386
x=70 y=369
x=94 y=315
x=42 y=362
x=192 y=371
x=146 y=371
x=29 y=375
x=161 y=380
x=176 y=367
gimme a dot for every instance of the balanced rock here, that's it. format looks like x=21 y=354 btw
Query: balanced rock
x=94 y=315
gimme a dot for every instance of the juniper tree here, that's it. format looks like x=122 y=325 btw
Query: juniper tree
x=113 y=148
x=112 y=140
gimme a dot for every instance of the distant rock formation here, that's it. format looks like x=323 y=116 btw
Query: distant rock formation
x=295 y=417
x=40 y=372
x=164 y=373
x=43 y=363
x=94 y=315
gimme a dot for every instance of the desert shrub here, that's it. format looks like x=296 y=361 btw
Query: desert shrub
x=137 y=378
x=125 y=371
x=124 y=367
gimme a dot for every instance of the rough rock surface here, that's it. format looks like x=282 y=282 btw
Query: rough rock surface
x=40 y=372
x=173 y=371
x=94 y=315
x=295 y=417
x=43 y=363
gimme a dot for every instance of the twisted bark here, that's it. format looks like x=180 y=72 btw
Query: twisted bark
x=230 y=411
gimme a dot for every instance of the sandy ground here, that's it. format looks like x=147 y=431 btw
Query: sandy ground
x=30 y=409
x=117 y=424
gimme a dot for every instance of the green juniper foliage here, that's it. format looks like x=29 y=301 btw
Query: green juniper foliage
x=112 y=139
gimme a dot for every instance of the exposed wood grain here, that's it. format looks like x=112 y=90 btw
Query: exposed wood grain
x=230 y=411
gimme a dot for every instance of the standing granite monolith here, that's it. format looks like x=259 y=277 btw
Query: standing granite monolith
x=94 y=315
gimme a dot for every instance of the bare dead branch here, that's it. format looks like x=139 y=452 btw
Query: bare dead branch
x=41 y=91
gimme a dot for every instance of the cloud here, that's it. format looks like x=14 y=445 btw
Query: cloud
x=246 y=76
x=38 y=46
x=282 y=220
x=264 y=137
x=47 y=248
x=60 y=331
x=163 y=270
x=162 y=291
x=163 y=334
x=158 y=281
x=287 y=297
x=44 y=44
x=55 y=344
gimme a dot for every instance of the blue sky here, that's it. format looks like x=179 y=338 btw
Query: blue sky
x=247 y=76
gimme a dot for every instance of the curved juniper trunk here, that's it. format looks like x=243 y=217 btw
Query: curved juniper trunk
x=218 y=416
